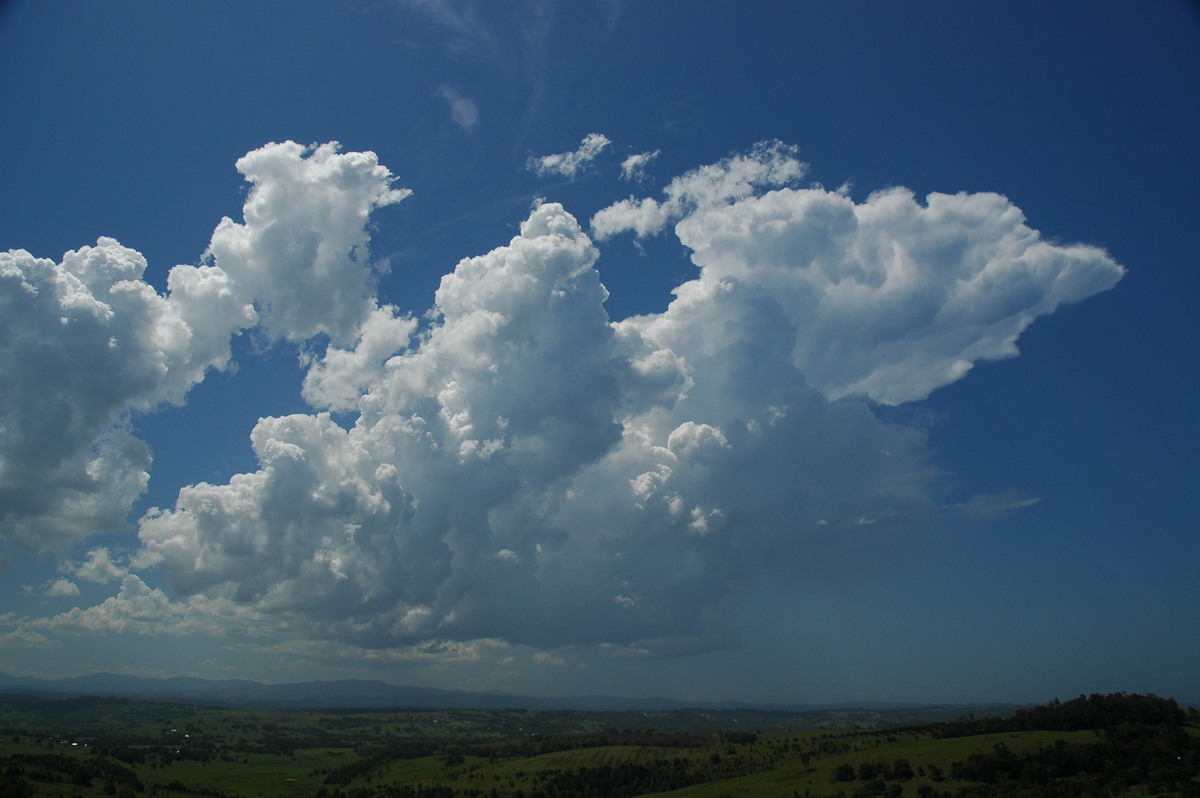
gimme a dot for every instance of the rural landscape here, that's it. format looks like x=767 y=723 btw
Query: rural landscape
x=1098 y=745
x=599 y=399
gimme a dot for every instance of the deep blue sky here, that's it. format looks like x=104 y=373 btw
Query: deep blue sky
x=1047 y=542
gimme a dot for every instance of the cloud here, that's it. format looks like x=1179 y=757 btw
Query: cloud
x=888 y=299
x=136 y=609
x=62 y=587
x=471 y=32
x=984 y=506
x=768 y=164
x=92 y=343
x=100 y=568
x=546 y=658
x=525 y=470
x=530 y=471
x=463 y=110
x=568 y=164
x=95 y=343
x=337 y=379
x=301 y=251
x=634 y=167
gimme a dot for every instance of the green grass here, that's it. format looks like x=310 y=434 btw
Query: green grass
x=256 y=754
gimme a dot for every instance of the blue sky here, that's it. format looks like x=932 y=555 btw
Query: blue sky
x=772 y=351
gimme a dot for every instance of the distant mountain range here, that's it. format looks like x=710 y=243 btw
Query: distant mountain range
x=360 y=694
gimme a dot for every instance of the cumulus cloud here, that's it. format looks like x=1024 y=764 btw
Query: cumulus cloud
x=301 y=251
x=62 y=587
x=568 y=164
x=100 y=567
x=94 y=342
x=525 y=470
x=337 y=380
x=528 y=464
x=136 y=609
x=888 y=299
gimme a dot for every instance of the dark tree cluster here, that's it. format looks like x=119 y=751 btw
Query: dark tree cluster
x=539 y=744
x=618 y=781
x=1096 y=711
x=21 y=769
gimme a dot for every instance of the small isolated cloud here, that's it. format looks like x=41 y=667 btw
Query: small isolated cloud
x=546 y=658
x=463 y=110
x=568 y=164
x=62 y=587
x=984 y=506
x=634 y=167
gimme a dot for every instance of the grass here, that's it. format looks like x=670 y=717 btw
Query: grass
x=264 y=754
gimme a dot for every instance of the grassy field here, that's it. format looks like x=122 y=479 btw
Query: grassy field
x=129 y=748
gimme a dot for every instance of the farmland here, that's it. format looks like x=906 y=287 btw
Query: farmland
x=1102 y=745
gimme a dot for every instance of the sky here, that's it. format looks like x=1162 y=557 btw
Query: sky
x=794 y=352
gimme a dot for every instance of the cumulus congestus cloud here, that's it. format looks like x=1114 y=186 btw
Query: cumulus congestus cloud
x=522 y=469
x=93 y=342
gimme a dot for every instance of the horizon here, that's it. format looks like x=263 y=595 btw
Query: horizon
x=631 y=699
x=806 y=355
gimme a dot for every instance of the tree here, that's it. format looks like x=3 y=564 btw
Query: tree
x=843 y=772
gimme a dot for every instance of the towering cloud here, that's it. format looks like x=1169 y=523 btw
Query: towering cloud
x=301 y=253
x=521 y=468
x=93 y=342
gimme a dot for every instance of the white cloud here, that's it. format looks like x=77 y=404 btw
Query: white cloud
x=887 y=299
x=488 y=487
x=99 y=567
x=301 y=252
x=62 y=587
x=568 y=164
x=341 y=376
x=524 y=470
x=91 y=342
x=768 y=164
x=984 y=506
x=546 y=658
x=94 y=342
x=136 y=609
x=634 y=167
